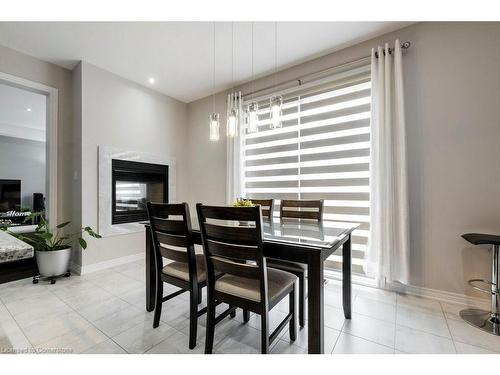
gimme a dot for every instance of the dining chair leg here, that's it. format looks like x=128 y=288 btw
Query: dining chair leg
x=158 y=304
x=292 y=328
x=200 y=295
x=246 y=316
x=302 y=300
x=264 y=326
x=209 y=339
x=193 y=317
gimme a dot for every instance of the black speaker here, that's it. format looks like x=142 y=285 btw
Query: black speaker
x=38 y=202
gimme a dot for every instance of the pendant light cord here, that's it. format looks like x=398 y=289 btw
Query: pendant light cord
x=213 y=67
x=252 y=85
x=232 y=66
x=232 y=54
x=275 y=52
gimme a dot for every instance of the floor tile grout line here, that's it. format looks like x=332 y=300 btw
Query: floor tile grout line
x=449 y=329
x=422 y=331
x=462 y=341
x=372 y=317
x=91 y=323
x=19 y=326
x=395 y=324
x=364 y=338
x=338 y=337
x=476 y=346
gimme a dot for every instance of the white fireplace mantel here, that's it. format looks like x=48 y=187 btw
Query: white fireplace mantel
x=106 y=155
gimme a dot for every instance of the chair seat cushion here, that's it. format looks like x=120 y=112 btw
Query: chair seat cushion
x=286 y=265
x=180 y=270
x=277 y=282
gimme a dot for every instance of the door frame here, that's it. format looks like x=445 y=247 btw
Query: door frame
x=51 y=136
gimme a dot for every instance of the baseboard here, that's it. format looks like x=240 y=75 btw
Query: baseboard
x=75 y=268
x=435 y=294
x=86 y=269
x=439 y=295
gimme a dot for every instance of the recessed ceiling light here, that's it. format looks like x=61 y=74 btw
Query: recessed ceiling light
x=28 y=109
x=151 y=80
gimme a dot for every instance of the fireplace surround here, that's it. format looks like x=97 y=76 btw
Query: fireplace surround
x=106 y=226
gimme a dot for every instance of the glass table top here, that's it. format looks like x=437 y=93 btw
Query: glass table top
x=322 y=234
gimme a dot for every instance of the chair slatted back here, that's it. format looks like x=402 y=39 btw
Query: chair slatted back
x=172 y=234
x=266 y=205
x=232 y=248
x=302 y=209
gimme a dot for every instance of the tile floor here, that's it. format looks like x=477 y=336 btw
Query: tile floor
x=104 y=312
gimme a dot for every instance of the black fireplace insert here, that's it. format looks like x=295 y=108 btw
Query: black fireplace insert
x=133 y=185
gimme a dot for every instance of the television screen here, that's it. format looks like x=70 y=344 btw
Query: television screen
x=10 y=195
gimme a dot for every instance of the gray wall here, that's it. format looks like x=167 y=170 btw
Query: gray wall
x=24 y=66
x=452 y=89
x=118 y=113
x=24 y=160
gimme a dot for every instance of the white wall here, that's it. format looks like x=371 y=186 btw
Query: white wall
x=452 y=88
x=118 y=113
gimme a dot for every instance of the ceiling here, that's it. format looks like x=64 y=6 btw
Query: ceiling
x=22 y=113
x=179 y=55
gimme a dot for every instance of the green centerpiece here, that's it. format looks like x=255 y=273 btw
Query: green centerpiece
x=240 y=202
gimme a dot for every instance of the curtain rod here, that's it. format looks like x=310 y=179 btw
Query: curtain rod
x=404 y=46
x=300 y=80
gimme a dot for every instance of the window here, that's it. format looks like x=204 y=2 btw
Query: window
x=321 y=151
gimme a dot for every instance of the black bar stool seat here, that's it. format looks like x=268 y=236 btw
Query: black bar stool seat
x=482 y=239
x=488 y=321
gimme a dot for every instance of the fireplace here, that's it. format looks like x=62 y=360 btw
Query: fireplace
x=133 y=185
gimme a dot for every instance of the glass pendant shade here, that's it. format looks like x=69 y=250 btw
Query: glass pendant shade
x=232 y=121
x=253 y=117
x=214 y=126
x=275 y=111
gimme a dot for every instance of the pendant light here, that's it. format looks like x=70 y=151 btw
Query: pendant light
x=253 y=106
x=276 y=102
x=214 y=116
x=232 y=116
x=214 y=126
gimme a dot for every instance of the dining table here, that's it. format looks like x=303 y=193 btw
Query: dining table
x=296 y=240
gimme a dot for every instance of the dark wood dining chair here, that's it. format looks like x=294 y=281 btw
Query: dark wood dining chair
x=247 y=283
x=298 y=209
x=172 y=239
x=266 y=206
x=311 y=209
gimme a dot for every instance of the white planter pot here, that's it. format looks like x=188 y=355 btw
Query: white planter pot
x=53 y=263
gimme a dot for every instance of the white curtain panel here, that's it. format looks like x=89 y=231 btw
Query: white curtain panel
x=234 y=159
x=388 y=257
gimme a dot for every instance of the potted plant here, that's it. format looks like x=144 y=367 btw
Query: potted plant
x=52 y=246
x=243 y=203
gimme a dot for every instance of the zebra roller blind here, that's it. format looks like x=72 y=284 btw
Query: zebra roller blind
x=321 y=151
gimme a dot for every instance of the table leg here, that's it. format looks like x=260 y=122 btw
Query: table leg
x=150 y=272
x=346 y=278
x=315 y=305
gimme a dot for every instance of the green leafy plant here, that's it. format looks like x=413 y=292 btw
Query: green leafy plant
x=243 y=203
x=46 y=239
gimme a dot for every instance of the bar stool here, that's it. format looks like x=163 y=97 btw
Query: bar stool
x=488 y=321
